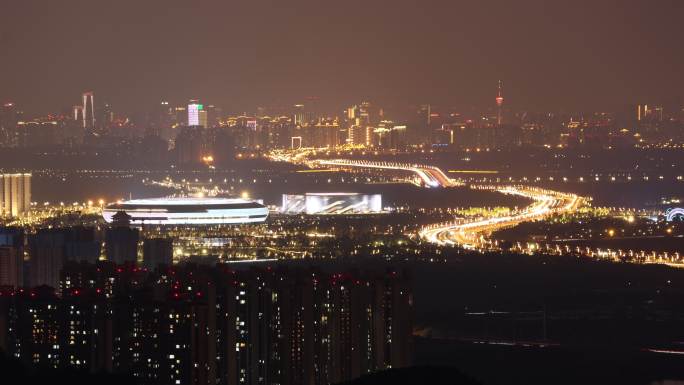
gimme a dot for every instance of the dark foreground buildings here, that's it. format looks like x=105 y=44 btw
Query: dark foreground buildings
x=195 y=324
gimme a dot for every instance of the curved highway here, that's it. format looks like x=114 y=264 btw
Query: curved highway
x=425 y=176
x=470 y=233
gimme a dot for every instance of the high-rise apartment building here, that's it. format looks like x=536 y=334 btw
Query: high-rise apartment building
x=214 y=325
x=47 y=256
x=11 y=257
x=157 y=251
x=15 y=194
x=121 y=244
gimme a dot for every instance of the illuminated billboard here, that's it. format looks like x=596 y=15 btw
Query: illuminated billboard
x=331 y=203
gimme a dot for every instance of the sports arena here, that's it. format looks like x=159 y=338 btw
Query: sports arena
x=189 y=211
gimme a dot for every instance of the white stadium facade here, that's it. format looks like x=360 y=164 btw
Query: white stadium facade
x=189 y=211
x=331 y=203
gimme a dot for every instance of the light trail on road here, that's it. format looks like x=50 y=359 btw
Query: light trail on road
x=429 y=176
x=426 y=176
x=471 y=233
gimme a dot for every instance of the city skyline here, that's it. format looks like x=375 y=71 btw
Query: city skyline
x=342 y=193
x=589 y=57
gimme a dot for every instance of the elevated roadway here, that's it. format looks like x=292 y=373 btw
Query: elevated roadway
x=427 y=176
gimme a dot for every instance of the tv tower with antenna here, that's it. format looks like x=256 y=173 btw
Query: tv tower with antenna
x=499 y=104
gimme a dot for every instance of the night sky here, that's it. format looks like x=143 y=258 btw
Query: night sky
x=241 y=54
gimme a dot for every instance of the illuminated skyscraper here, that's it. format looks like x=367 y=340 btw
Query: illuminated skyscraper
x=180 y=115
x=203 y=118
x=367 y=113
x=15 y=194
x=194 y=109
x=649 y=113
x=88 y=110
x=352 y=112
x=298 y=116
x=360 y=135
x=78 y=114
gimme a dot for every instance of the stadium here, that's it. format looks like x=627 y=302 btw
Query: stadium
x=189 y=211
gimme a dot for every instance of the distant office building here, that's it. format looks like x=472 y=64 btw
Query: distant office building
x=421 y=124
x=322 y=134
x=213 y=115
x=197 y=115
x=203 y=118
x=298 y=115
x=360 y=135
x=105 y=118
x=179 y=116
x=193 y=114
x=389 y=135
x=331 y=203
x=159 y=121
x=651 y=113
x=88 y=111
x=189 y=146
x=78 y=114
x=15 y=194
x=362 y=122
x=650 y=121
x=367 y=114
x=157 y=251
